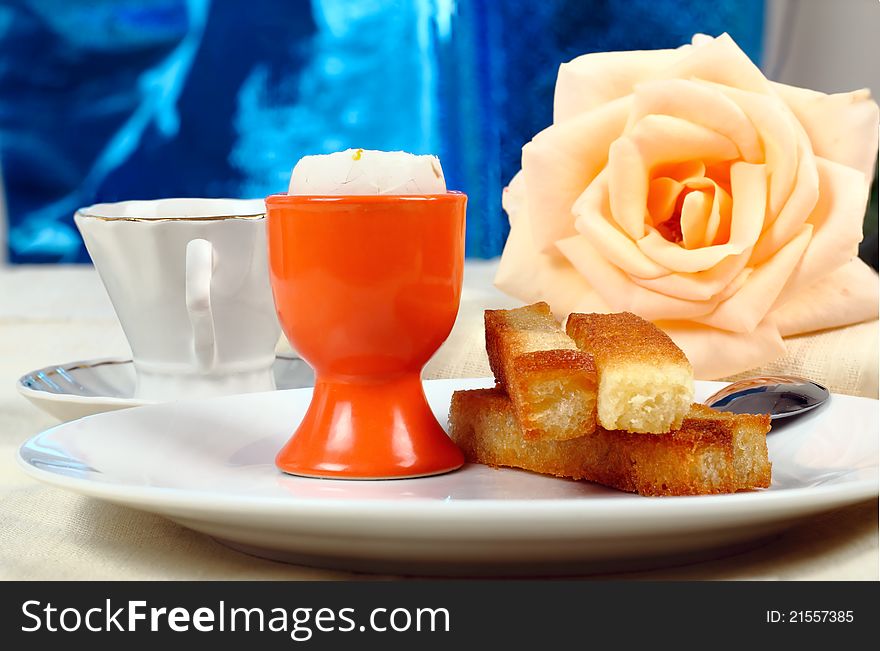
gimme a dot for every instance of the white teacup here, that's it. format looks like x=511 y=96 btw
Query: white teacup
x=188 y=279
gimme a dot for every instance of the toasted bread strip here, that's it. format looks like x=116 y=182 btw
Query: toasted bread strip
x=646 y=383
x=551 y=383
x=713 y=452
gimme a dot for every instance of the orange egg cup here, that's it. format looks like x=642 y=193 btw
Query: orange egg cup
x=366 y=289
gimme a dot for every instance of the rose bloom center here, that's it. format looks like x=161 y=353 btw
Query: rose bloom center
x=689 y=203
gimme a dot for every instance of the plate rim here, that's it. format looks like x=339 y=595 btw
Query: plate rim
x=206 y=500
x=39 y=394
x=623 y=507
x=115 y=401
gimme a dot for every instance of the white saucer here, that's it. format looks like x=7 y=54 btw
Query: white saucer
x=208 y=464
x=77 y=389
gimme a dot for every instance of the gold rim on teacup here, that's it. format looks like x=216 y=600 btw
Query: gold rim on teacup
x=185 y=209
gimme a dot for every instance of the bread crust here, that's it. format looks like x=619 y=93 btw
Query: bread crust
x=551 y=383
x=713 y=452
x=623 y=337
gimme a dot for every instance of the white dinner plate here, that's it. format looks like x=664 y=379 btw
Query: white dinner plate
x=208 y=464
x=76 y=389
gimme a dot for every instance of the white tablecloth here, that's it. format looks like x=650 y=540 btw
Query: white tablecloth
x=58 y=314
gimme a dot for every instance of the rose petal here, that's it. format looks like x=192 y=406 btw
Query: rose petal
x=845 y=296
x=680 y=171
x=563 y=288
x=747 y=307
x=795 y=212
x=618 y=290
x=531 y=276
x=561 y=161
x=837 y=225
x=627 y=187
x=662 y=139
x=700 y=286
x=662 y=197
x=842 y=127
x=518 y=268
x=590 y=210
x=719 y=353
x=695 y=212
x=779 y=134
x=736 y=284
x=568 y=291
x=718 y=227
x=593 y=79
x=678 y=259
x=720 y=60
x=700 y=104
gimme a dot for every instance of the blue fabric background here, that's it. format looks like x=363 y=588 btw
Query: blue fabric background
x=106 y=100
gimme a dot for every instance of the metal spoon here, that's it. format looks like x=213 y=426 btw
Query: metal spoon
x=781 y=396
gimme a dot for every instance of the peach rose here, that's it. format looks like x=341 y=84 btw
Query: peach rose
x=685 y=187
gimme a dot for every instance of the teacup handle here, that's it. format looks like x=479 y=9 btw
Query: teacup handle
x=199 y=272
